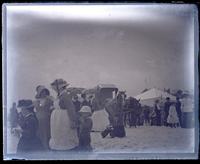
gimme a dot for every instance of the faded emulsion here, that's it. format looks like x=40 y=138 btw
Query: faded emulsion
x=108 y=81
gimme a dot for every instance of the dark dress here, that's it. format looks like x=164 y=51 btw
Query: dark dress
x=115 y=116
x=29 y=140
x=43 y=114
x=166 y=110
x=146 y=115
x=179 y=113
x=158 y=115
x=84 y=134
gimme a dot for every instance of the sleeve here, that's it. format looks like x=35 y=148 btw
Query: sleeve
x=66 y=103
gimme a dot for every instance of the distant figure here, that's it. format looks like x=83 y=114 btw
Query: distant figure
x=13 y=116
x=178 y=110
x=64 y=120
x=28 y=128
x=85 y=102
x=158 y=113
x=146 y=112
x=153 y=117
x=44 y=107
x=77 y=103
x=166 y=110
x=85 y=127
x=172 y=118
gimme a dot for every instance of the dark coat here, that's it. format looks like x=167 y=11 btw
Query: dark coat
x=29 y=140
x=166 y=108
x=178 y=107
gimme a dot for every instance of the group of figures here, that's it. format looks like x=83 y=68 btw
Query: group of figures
x=168 y=113
x=47 y=123
x=63 y=123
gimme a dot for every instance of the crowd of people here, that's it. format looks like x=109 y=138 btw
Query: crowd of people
x=46 y=123
x=64 y=123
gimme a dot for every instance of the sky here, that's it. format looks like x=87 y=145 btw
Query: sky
x=132 y=46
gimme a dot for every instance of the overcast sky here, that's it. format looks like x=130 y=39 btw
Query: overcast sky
x=132 y=46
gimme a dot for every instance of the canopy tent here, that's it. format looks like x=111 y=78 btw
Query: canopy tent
x=149 y=97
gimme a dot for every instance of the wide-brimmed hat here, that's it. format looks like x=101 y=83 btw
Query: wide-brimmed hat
x=58 y=84
x=39 y=90
x=25 y=104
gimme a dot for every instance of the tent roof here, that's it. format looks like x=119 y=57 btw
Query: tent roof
x=154 y=93
x=107 y=86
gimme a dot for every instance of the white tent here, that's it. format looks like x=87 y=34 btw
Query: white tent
x=149 y=97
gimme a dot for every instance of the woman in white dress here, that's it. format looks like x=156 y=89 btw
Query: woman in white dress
x=64 y=120
x=172 y=118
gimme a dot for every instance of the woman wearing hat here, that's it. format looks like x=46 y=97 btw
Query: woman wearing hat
x=28 y=128
x=44 y=107
x=64 y=122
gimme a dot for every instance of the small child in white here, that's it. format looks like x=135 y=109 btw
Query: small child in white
x=172 y=118
x=85 y=127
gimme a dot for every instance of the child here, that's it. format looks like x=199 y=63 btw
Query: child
x=85 y=128
x=172 y=118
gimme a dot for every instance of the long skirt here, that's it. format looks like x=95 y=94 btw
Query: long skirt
x=27 y=144
x=44 y=128
x=63 y=137
x=119 y=131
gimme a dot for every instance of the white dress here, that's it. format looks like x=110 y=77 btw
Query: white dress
x=172 y=117
x=63 y=137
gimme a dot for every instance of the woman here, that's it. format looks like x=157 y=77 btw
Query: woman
x=172 y=118
x=114 y=109
x=64 y=122
x=28 y=128
x=153 y=117
x=44 y=107
x=158 y=113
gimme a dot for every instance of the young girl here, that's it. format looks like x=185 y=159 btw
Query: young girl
x=172 y=118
